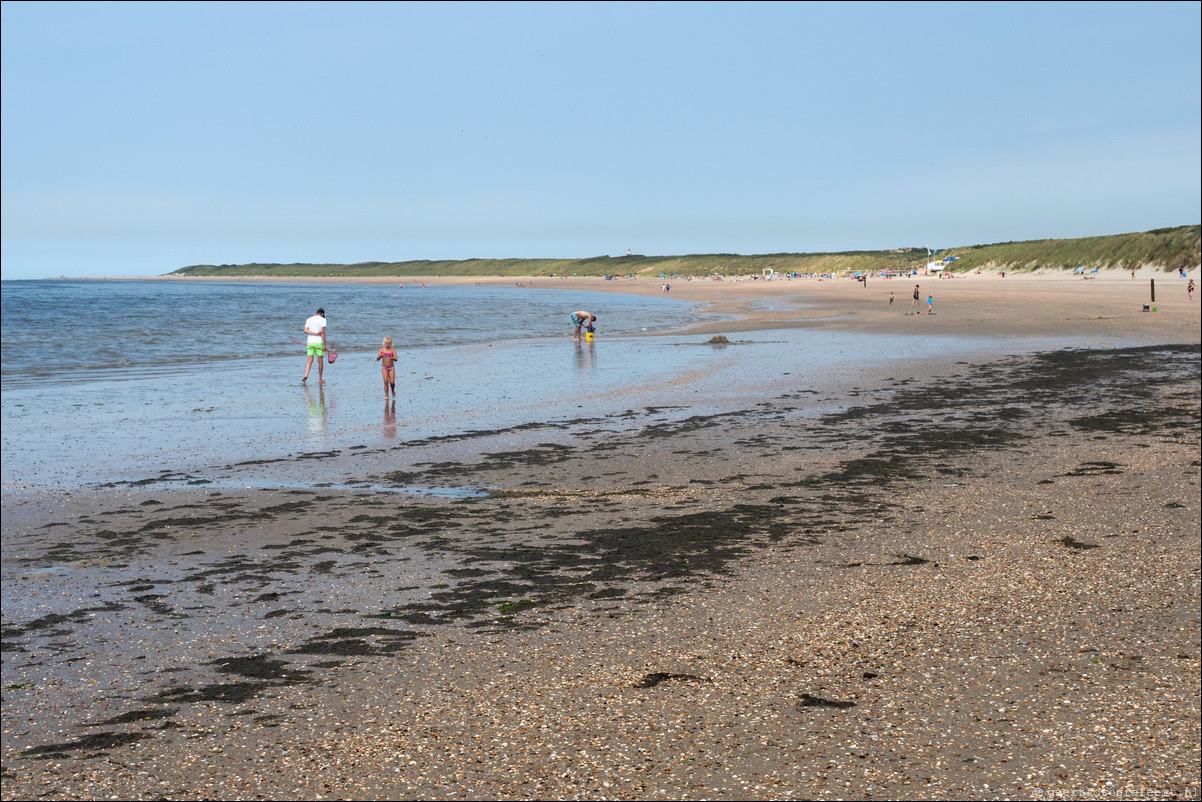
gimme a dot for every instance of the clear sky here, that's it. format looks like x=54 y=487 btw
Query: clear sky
x=143 y=137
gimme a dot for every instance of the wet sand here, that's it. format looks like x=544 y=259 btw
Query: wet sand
x=972 y=580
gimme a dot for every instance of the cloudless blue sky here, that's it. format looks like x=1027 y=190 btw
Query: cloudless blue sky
x=142 y=137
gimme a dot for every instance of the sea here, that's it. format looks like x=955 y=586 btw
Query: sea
x=109 y=381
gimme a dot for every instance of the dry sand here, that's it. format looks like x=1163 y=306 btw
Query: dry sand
x=1107 y=303
x=980 y=584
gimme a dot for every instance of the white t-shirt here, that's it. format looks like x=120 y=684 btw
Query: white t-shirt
x=315 y=323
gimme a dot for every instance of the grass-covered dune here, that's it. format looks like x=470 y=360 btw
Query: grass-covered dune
x=1168 y=249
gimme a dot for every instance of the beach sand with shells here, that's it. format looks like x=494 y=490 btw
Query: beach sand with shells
x=942 y=580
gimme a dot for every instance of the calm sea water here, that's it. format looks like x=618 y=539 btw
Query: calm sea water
x=110 y=381
x=104 y=330
x=118 y=380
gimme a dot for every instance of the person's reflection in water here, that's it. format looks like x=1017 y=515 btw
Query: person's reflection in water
x=317 y=411
x=584 y=355
x=390 y=419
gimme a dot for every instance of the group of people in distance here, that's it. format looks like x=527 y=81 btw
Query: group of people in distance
x=930 y=302
x=914 y=303
x=315 y=347
x=315 y=328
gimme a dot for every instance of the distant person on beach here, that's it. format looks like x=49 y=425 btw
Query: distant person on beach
x=315 y=327
x=1189 y=288
x=930 y=304
x=386 y=356
x=582 y=318
x=890 y=300
x=914 y=303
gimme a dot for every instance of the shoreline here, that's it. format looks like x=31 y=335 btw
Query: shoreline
x=964 y=582
x=1016 y=305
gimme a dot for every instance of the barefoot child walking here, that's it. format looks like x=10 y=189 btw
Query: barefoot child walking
x=387 y=359
x=315 y=344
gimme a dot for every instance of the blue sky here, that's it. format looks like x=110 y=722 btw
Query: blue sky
x=142 y=137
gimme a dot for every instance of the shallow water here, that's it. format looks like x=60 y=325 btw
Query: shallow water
x=73 y=331
x=111 y=379
x=176 y=405
x=130 y=429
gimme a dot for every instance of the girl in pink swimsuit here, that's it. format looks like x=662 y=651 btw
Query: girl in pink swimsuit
x=386 y=356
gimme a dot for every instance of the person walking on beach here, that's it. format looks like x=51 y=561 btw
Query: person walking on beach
x=582 y=318
x=1189 y=288
x=315 y=327
x=386 y=356
x=930 y=304
x=890 y=300
x=914 y=303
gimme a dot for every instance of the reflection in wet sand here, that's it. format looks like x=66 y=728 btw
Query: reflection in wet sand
x=317 y=411
x=585 y=356
x=390 y=419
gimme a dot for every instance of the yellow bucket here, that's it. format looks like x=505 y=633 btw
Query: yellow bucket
x=588 y=336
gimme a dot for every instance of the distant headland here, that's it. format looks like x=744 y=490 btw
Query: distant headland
x=1168 y=249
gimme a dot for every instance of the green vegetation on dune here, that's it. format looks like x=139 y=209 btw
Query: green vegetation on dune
x=1167 y=249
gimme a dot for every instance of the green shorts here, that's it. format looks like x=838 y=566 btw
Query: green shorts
x=316 y=349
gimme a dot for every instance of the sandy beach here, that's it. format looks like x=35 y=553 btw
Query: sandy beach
x=939 y=580
x=1109 y=302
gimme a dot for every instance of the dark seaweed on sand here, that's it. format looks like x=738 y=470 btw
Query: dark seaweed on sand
x=513 y=558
